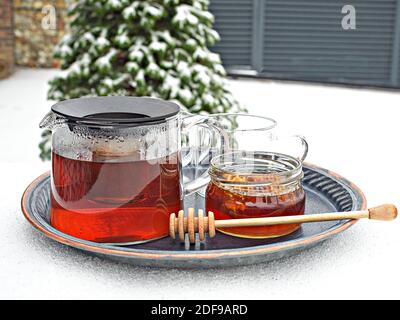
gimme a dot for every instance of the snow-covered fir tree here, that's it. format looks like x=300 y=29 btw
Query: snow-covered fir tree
x=144 y=48
x=153 y=48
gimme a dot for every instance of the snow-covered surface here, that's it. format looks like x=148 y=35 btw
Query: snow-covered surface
x=354 y=132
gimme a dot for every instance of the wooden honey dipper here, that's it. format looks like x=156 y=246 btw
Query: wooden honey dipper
x=207 y=224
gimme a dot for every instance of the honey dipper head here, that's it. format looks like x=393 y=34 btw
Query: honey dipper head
x=191 y=225
x=385 y=212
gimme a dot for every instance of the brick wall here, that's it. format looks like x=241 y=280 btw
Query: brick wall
x=6 y=38
x=34 y=43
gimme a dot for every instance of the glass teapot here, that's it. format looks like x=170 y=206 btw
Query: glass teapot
x=117 y=166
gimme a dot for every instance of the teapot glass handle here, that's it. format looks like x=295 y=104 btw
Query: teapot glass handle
x=193 y=155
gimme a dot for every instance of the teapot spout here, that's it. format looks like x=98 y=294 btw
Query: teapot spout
x=51 y=121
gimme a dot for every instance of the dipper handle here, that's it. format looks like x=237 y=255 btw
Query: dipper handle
x=202 y=224
x=384 y=212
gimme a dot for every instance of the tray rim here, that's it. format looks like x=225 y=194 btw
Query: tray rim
x=106 y=250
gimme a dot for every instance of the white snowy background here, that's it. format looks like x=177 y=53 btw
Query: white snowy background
x=352 y=131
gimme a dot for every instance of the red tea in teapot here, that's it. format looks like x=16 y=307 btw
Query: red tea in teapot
x=114 y=202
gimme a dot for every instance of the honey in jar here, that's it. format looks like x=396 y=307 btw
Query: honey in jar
x=253 y=185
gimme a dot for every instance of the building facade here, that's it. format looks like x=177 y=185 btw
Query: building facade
x=6 y=39
x=280 y=39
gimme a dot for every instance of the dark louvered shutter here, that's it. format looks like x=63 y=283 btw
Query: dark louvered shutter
x=234 y=23
x=304 y=39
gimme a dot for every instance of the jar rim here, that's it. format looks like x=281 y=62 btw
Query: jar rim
x=257 y=167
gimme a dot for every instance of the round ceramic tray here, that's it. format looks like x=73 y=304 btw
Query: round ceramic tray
x=325 y=192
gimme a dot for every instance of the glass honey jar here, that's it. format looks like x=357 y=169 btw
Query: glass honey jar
x=252 y=185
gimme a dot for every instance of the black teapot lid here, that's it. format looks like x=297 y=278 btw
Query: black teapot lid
x=116 y=110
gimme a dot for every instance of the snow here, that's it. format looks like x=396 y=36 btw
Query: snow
x=140 y=76
x=157 y=46
x=185 y=94
x=116 y=4
x=213 y=34
x=153 y=10
x=152 y=67
x=166 y=37
x=200 y=53
x=184 y=15
x=74 y=69
x=132 y=66
x=165 y=64
x=108 y=82
x=172 y=84
x=208 y=99
x=214 y=58
x=351 y=131
x=123 y=39
x=130 y=12
x=218 y=68
x=191 y=43
x=170 y=2
x=105 y=61
x=86 y=60
x=136 y=54
x=217 y=80
x=102 y=42
x=88 y=37
x=201 y=74
x=206 y=15
x=64 y=50
x=184 y=70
